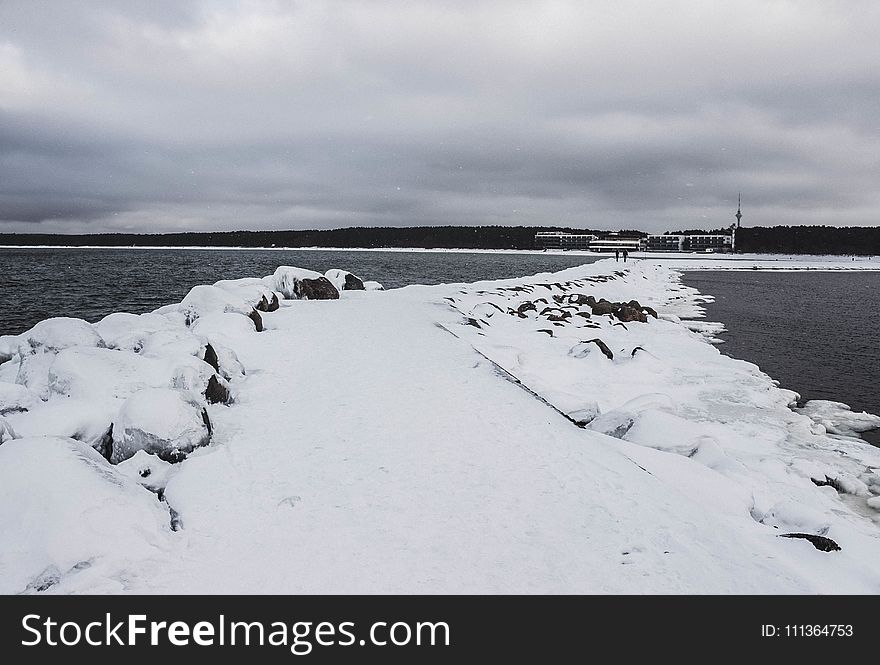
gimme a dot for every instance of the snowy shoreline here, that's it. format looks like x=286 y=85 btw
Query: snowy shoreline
x=573 y=432
x=681 y=261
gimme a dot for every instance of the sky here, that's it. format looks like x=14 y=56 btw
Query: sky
x=200 y=116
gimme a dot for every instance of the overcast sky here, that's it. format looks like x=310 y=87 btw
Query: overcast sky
x=165 y=115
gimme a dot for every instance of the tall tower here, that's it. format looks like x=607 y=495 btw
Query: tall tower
x=735 y=227
x=739 y=209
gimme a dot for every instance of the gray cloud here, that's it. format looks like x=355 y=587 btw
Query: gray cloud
x=156 y=116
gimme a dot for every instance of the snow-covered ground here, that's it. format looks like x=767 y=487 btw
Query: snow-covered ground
x=497 y=437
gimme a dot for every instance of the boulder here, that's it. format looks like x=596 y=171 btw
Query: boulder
x=217 y=391
x=373 y=286
x=6 y=431
x=166 y=423
x=65 y=509
x=344 y=280
x=297 y=283
x=626 y=313
x=15 y=398
x=56 y=334
x=203 y=300
x=603 y=307
x=129 y=331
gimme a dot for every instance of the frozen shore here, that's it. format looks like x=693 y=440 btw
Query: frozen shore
x=549 y=434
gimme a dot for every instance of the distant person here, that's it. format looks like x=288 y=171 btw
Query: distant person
x=617 y=255
x=625 y=254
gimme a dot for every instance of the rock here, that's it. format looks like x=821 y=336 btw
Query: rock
x=63 y=506
x=104 y=444
x=296 y=283
x=627 y=314
x=373 y=286
x=555 y=314
x=147 y=470
x=580 y=299
x=56 y=334
x=317 y=289
x=160 y=421
x=257 y=319
x=130 y=331
x=203 y=300
x=603 y=347
x=15 y=398
x=6 y=431
x=344 y=280
x=527 y=306
x=217 y=391
x=211 y=358
x=821 y=543
x=273 y=303
x=8 y=347
x=603 y=307
x=650 y=310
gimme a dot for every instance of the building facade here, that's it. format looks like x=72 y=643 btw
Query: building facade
x=691 y=242
x=561 y=240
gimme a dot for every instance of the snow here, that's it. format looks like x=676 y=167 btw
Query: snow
x=434 y=440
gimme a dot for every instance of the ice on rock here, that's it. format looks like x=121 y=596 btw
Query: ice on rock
x=344 y=280
x=15 y=398
x=56 y=334
x=839 y=418
x=65 y=508
x=6 y=431
x=297 y=283
x=164 y=422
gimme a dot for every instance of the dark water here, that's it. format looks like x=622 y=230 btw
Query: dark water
x=816 y=333
x=91 y=283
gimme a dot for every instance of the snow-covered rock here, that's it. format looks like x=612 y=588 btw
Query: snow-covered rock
x=6 y=431
x=252 y=290
x=344 y=280
x=15 y=397
x=225 y=326
x=373 y=286
x=53 y=335
x=147 y=470
x=68 y=519
x=839 y=418
x=86 y=420
x=129 y=331
x=164 y=422
x=97 y=373
x=8 y=347
x=33 y=373
x=203 y=300
x=297 y=283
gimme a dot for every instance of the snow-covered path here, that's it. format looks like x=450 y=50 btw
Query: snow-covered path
x=372 y=451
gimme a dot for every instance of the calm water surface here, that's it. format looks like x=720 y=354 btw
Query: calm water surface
x=814 y=332
x=91 y=283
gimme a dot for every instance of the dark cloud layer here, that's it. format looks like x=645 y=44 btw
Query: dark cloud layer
x=261 y=114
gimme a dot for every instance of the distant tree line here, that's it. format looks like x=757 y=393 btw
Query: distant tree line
x=778 y=239
x=447 y=237
x=860 y=240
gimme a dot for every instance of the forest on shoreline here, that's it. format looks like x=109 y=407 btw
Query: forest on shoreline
x=864 y=241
